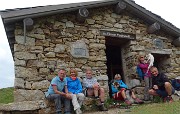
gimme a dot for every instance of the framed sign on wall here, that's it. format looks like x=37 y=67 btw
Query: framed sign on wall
x=158 y=43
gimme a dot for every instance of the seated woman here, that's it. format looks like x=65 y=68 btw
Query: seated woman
x=119 y=88
x=75 y=89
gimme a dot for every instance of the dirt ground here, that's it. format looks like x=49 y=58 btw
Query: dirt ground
x=110 y=111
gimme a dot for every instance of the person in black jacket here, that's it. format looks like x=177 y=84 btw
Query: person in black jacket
x=161 y=85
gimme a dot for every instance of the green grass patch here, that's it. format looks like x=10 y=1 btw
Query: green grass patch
x=6 y=95
x=157 y=108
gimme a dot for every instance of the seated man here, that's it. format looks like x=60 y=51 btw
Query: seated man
x=161 y=85
x=119 y=88
x=93 y=89
x=58 y=92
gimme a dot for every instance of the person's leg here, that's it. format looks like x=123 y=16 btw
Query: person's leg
x=75 y=102
x=133 y=95
x=96 y=92
x=101 y=95
x=90 y=92
x=67 y=108
x=121 y=95
x=147 y=84
x=57 y=99
x=80 y=97
x=136 y=100
x=168 y=88
x=102 y=98
x=118 y=96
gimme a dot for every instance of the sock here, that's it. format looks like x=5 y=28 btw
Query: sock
x=97 y=97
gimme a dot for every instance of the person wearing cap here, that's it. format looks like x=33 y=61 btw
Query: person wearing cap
x=58 y=92
x=93 y=88
x=119 y=88
x=161 y=85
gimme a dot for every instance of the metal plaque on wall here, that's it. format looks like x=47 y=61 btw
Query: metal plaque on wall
x=79 y=49
x=158 y=43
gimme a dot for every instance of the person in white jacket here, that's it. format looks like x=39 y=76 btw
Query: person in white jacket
x=93 y=88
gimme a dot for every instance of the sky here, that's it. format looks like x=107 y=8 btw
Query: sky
x=168 y=10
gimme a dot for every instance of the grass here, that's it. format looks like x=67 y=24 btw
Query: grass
x=6 y=95
x=157 y=108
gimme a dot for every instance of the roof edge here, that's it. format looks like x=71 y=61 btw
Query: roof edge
x=50 y=10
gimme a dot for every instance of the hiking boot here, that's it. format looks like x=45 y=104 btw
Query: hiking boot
x=138 y=101
x=168 y=99
x=128 y=102
x=103 y=108
x=78 y=111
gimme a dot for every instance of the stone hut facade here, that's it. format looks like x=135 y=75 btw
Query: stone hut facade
x=108 y=41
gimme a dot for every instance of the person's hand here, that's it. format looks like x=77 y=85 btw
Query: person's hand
x=155 y=87
x=68 y=96
x=96 y=85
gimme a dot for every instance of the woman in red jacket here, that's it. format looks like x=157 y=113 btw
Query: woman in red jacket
x=147 y=75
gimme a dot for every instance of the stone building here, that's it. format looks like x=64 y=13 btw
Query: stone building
x=105 y=35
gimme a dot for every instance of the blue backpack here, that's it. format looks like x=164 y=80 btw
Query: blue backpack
x=139 y=72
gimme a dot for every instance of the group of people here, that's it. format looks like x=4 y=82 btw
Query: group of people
x=68 y=89
x=156 y=84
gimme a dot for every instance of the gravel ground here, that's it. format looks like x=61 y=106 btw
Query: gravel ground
x=111 y=111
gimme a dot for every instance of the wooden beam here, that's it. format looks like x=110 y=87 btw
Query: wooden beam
x=28 y=22
x=82 y=15
x=10 y=34
x=11 y=41
x=120 y=7
x=153 y=28
x=10 y=27
x=176 y=42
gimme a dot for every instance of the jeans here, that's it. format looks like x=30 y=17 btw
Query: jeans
x=58 y=99
x=77 y=100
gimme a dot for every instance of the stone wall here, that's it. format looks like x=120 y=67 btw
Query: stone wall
x=48 y=47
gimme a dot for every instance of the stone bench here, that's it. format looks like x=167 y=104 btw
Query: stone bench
x=25 y=107
x=40 y=107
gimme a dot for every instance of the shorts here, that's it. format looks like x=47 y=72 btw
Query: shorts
x=163 y=93
x=118 y=95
